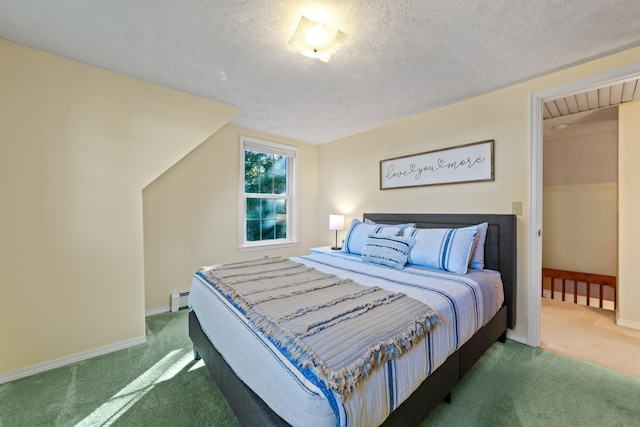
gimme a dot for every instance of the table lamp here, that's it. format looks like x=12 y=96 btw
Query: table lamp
x=336 y=222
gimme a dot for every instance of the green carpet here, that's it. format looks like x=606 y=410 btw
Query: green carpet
x=517 y=385
x=158 y=384
x=67 y=395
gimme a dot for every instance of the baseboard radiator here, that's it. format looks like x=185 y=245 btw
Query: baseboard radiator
x=582 y=283
x=179 y=300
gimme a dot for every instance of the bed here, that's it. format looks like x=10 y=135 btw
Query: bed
x=255 y=366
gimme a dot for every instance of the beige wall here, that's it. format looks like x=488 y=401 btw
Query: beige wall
x=580 y=196
x=581 y=228
x=77 y=145
x=191 y=213
x=349 y=167
x=629 y=206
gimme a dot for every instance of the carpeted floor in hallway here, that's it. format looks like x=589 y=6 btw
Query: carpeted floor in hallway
x=589 y=334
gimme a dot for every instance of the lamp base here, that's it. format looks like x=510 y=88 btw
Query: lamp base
x=336 y=247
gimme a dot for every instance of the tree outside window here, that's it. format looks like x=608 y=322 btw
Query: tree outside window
x=267 y=192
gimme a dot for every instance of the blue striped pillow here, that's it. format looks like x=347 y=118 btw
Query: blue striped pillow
x=391 y=251
x=446 y=249
x=358 y=233
x=400 y=226
x=476 y=261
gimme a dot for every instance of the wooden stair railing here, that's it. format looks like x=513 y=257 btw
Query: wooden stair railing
x=575 y=277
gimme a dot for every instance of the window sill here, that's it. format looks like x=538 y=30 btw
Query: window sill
x=263 y=246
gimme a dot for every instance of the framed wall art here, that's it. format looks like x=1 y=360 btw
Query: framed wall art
x=454 y=165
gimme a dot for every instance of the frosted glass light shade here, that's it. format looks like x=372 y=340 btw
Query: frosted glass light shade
x=316 y=40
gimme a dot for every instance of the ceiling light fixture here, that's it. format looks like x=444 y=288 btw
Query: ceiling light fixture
x=316 y=40
x=562 y=126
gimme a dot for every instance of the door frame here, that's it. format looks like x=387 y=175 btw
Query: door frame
x=615 y=76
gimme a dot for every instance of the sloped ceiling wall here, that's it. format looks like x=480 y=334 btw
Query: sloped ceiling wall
x=77 y=146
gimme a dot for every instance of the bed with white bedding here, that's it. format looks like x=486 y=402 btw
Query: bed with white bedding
x=266 y=386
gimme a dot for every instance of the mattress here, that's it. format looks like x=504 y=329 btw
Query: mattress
x=464 y=304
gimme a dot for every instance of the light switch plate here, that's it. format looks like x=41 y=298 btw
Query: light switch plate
x=516 y=208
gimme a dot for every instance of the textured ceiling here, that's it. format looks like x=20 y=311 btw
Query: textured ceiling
x=401 y=58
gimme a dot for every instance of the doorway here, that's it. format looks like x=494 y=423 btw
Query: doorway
x=580 y=218
x=536 y=184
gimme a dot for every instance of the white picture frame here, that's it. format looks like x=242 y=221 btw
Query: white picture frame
x=454 y=165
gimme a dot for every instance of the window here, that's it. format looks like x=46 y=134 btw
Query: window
x=268 y=200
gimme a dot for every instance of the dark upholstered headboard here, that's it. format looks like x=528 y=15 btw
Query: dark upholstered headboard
x=500 y=247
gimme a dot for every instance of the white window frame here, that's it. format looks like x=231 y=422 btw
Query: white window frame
x=291 y=153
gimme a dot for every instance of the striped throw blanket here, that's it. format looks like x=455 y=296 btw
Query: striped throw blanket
x=338 y=329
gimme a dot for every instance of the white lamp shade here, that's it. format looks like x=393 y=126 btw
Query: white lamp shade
x=336 y=222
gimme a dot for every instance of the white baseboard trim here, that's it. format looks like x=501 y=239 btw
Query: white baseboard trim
x=158 y=310
x=628 y=324
x=517 y=337
x=67 y=360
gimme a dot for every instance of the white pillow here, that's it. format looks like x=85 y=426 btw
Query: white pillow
x=358 y=233
x=446 y=249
